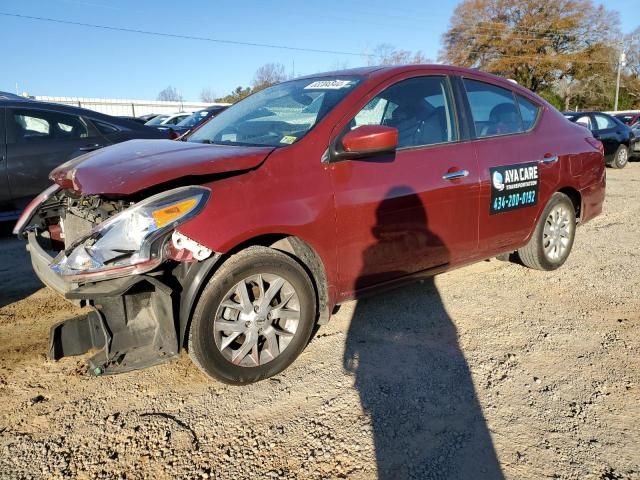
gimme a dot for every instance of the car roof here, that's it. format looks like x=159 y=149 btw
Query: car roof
x=586 y=112
x=373 y=72
x=11 y=96
x=58 y=107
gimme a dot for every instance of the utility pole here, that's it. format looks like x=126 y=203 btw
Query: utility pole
x=621 y=63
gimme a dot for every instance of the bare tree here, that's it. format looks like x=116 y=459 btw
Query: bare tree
x=385 y=54
x=267 y=75
x=339 y=65
x=632 y=45
x=207 y=95
x=170 y=94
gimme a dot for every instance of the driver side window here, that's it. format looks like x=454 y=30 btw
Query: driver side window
x=419 y=108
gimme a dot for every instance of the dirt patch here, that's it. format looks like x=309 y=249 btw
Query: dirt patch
x=487 y=372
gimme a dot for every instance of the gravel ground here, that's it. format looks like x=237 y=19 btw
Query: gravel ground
x=491 y=371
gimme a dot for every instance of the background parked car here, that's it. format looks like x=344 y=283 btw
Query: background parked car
x=635 y=149
x=197 y=118
x=133 y=119
x=167 y=120
x=630 y=119
x=10 y=96
x=36 y=137
x=617 y=138
x=147 y=117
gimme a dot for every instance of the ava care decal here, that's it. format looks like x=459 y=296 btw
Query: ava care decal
x=514 y=186
x=328 y=85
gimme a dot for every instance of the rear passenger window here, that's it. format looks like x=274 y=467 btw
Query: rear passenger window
x=40 y=125
x=604 y=123
x=105 y=128
x=528 y=111
x=419 y=108
x=493 y=109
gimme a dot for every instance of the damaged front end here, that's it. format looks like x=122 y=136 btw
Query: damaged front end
x=124 y=259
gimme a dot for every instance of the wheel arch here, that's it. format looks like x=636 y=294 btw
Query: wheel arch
x=576 y=198
x=199 y=274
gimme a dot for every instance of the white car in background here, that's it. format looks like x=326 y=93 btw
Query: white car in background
x=167 y=119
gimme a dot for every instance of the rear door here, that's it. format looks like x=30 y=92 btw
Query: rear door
x=5 y=193
x=38 y=140
x=518 y=170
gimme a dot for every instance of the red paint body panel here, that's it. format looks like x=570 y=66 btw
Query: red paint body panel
x=371 y=221
x=129 y=167
x=368 y=138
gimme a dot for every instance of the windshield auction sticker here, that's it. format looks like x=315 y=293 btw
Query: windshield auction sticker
x=514 y=186
x=328 y=85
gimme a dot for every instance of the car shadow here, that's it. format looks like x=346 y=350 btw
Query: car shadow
x=413 y=380
x=17 y=279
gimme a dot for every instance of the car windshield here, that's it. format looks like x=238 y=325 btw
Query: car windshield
x=157 y=120
x=276 y=116
x=193 y=119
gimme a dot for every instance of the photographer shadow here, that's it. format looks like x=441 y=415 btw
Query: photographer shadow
x=411 y=375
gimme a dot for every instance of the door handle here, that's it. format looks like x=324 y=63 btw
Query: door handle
x=547 y=160
x=455 y=175
x=89 y=148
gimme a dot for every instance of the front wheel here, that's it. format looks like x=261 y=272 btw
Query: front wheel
x=552 y=239
x=254 y=317
x=621 y=158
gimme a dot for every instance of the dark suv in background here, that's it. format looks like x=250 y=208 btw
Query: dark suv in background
x=36 y=137
x=618 y=139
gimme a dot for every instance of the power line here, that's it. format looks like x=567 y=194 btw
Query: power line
x=247 y=44
x=185 y=37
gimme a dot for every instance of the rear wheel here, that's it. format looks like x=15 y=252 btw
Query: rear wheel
x=621 y=158
x=551 y=242
x=254 y=317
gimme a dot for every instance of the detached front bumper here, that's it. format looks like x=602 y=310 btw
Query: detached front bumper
x=131 y=326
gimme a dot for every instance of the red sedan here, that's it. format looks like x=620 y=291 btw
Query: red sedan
x=238 y=239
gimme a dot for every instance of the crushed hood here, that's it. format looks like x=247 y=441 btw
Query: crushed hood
x=129 y=167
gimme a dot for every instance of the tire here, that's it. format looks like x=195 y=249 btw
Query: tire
x=216 y=329
x=621 y=158
x=539 y=253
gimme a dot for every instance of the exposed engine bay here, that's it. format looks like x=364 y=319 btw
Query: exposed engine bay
x=81 y=214
x=65 y=218
x=124 y=259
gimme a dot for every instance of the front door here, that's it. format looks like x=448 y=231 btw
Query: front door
x=413 y=210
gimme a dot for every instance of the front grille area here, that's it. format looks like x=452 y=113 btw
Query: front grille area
x=84 y=213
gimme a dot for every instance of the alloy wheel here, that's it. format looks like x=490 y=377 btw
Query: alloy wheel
x=256 y=320
x=622 y=157
x=556 y=235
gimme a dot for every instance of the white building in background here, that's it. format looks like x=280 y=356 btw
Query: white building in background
x=122 y=107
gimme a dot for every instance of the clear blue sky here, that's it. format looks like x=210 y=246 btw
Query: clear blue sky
x=54 y=59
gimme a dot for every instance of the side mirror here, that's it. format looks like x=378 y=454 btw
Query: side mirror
x=366 y=141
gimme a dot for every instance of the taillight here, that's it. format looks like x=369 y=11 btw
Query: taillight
x=595 y=143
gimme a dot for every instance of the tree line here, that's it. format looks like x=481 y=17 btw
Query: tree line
x=567 y=51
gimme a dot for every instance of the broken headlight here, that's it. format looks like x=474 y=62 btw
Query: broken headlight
x=132 y=241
